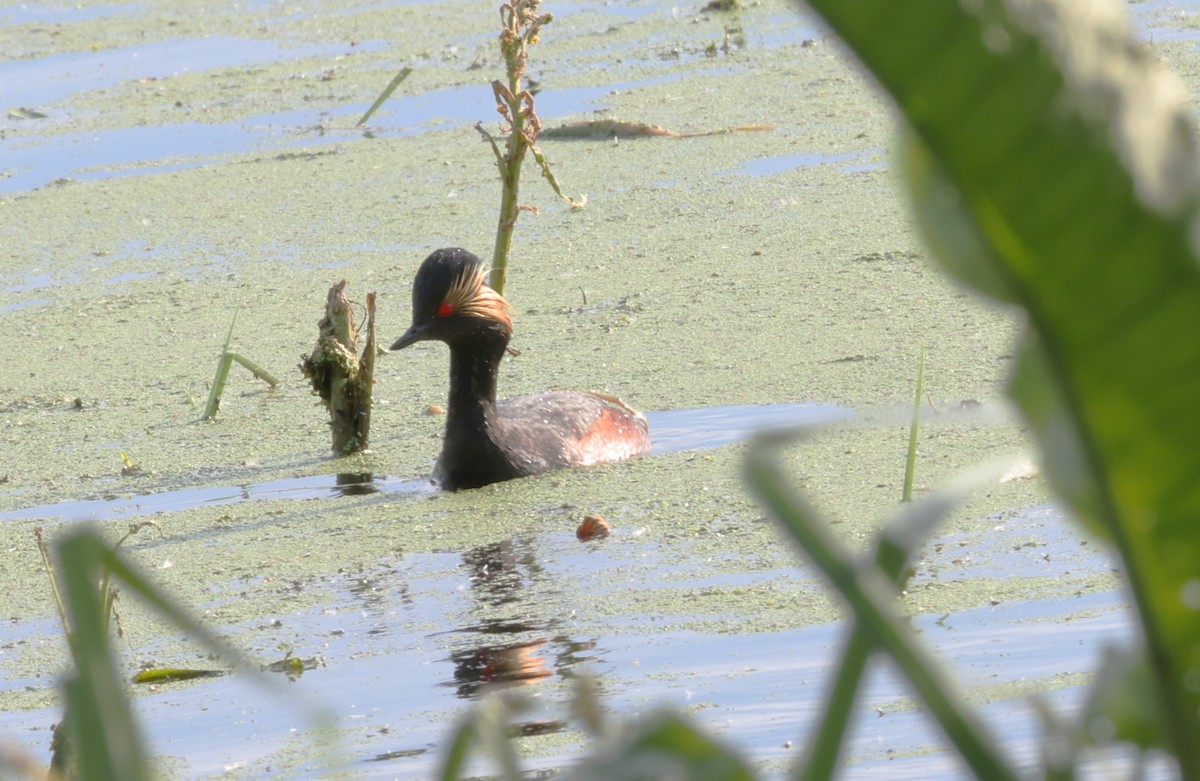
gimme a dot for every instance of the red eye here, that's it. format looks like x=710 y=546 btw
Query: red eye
x=446 y=309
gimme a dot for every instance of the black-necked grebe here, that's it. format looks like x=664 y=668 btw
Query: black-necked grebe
x=488 y=441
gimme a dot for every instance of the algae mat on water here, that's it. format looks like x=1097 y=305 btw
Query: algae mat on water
x=705 y=285
x=728 y=269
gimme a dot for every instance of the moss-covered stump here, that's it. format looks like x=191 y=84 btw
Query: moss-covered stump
x=339 y=375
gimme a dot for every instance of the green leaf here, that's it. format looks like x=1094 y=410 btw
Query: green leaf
x=873 y=599
x=105 y=742
x=1119 y=706
x=25 y=113
x=948 y=227
x=1073 y=151
x=663 y=746
x=1065 y=448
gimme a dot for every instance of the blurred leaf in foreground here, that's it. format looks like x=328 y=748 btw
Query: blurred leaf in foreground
x=1074 y=160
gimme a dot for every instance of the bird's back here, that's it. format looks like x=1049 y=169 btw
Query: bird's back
x=545 y=431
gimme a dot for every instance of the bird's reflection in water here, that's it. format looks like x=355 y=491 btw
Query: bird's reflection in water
x=524 y=647
x=494 y=666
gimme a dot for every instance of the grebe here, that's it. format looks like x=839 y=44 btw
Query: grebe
x=488 y=441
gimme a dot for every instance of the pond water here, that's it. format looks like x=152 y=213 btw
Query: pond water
x=399 y=648
x=131 y=151
x=36 y=161
x=394 y=685
x=672 y=431
x=403 y=641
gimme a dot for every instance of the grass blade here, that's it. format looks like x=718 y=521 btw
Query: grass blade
x=218 y=386
x=871 y=597
x=910 y=462
x=258 y=371
x=456 y=754
x=105 y=743
x=894 y=549
x=387 y=93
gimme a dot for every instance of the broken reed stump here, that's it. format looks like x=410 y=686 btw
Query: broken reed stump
x=339 y=375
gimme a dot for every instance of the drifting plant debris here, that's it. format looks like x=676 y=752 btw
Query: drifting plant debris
x=339 y=375
x=172 y=674
x=293 y=666
x=593 y=527
x=227 y=358
x=594 y=129
x=25 y=113
x=129 y=468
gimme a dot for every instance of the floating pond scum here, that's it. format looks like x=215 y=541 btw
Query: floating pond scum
x=745 y=261
x=670 y=430
x=403 y=645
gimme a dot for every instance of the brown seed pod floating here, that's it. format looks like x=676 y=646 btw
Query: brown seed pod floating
x=593 y=526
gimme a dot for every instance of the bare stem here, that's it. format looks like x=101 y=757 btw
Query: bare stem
x=520 y=26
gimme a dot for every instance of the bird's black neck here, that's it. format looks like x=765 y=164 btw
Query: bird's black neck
x=474 y=366
x=471 y=453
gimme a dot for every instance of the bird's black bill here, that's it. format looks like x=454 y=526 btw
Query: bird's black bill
x=414 y=334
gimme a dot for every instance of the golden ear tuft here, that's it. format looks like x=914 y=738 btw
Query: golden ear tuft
x=464 y=287
x=469 y=296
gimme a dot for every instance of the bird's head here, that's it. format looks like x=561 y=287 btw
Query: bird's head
x=451 y=301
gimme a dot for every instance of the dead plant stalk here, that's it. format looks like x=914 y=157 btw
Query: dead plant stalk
x=521 y=24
